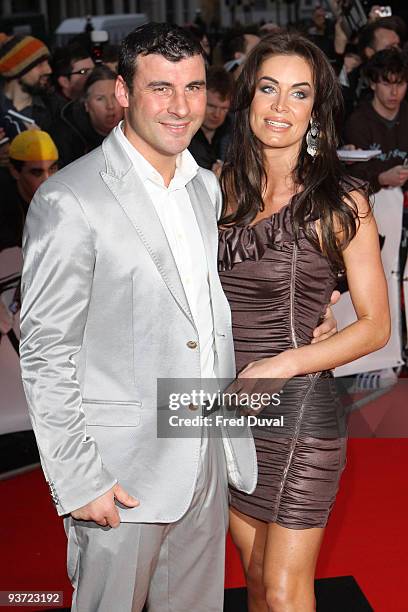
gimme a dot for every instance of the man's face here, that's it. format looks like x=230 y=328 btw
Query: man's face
x=32 y=175
x=319 y=17
x=166 y=106
x=35 y=81
x=72 y=85
x=389 y=94
x=385 y=39
x=216 y=110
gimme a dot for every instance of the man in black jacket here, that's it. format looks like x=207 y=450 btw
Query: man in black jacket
x=71 y=66
x=33 y=158
x=209 y=144
x=383 y=122
x=24 y=69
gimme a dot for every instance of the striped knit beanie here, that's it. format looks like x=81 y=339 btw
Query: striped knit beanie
x=19 y=54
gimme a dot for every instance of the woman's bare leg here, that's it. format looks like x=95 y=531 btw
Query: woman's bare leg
x=249 y=536
x=289 y=568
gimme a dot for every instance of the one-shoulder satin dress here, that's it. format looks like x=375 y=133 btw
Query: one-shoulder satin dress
x=278 y=290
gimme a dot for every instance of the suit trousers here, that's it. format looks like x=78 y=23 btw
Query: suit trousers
x=174 y=567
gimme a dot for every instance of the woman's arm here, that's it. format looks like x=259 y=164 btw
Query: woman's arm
x=368 y=290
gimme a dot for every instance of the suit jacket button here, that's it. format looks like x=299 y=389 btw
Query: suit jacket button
x=192 y=344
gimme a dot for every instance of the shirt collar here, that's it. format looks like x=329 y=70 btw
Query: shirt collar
x=186 y=166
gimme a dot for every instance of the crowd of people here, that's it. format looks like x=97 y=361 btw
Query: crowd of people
x=132 y=226
x=67 y=95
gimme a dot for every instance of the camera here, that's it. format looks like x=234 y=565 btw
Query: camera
x=384 y=11
x=98 y=38
x=353 y=14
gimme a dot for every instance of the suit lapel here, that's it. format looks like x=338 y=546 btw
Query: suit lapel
x=124 y=183
x=206 y=219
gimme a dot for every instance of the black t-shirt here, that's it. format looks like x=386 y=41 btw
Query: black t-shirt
x=207 y=153
x=366 y=129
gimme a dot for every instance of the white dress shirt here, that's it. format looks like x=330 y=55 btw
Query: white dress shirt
x=180 y=225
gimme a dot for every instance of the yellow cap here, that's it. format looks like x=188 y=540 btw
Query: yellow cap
x=33 y=145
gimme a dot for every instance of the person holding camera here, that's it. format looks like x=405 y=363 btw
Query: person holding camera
x=322 y=32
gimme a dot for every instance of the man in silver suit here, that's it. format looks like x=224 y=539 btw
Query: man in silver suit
x=120 y=289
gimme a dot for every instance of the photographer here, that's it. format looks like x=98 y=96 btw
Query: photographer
x=321 y=32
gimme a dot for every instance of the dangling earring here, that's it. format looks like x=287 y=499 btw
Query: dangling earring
x=312 y=138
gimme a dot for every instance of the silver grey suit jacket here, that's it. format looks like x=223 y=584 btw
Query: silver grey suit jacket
x=104 y=315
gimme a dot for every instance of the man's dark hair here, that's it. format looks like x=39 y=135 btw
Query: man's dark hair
x=385 y=64
x=366 y=36
x=220 y=81
x=170 y=41
x=64 y=58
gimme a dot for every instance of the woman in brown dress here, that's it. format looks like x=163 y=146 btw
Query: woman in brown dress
x=292 y=221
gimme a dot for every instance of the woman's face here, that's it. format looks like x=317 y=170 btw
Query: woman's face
x=104 y=110
x=282 y=106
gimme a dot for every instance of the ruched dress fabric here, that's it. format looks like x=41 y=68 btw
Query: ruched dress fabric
x=278 y=290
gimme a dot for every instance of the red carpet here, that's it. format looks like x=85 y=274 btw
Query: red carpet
x=366 y=536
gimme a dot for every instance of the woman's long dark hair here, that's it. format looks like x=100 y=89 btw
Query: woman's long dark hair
x=325 y=188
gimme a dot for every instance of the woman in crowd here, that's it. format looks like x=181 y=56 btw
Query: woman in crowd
x=83 y=124
x=292 y=222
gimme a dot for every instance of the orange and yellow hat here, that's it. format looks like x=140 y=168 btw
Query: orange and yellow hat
x=18 y=54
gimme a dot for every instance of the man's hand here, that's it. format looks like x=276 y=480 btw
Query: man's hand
x=374 y=13
x=329 y=326
x=351 y=61
x=31 y=126
x=395 y=177
x=6 y=319
x=103 y=510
